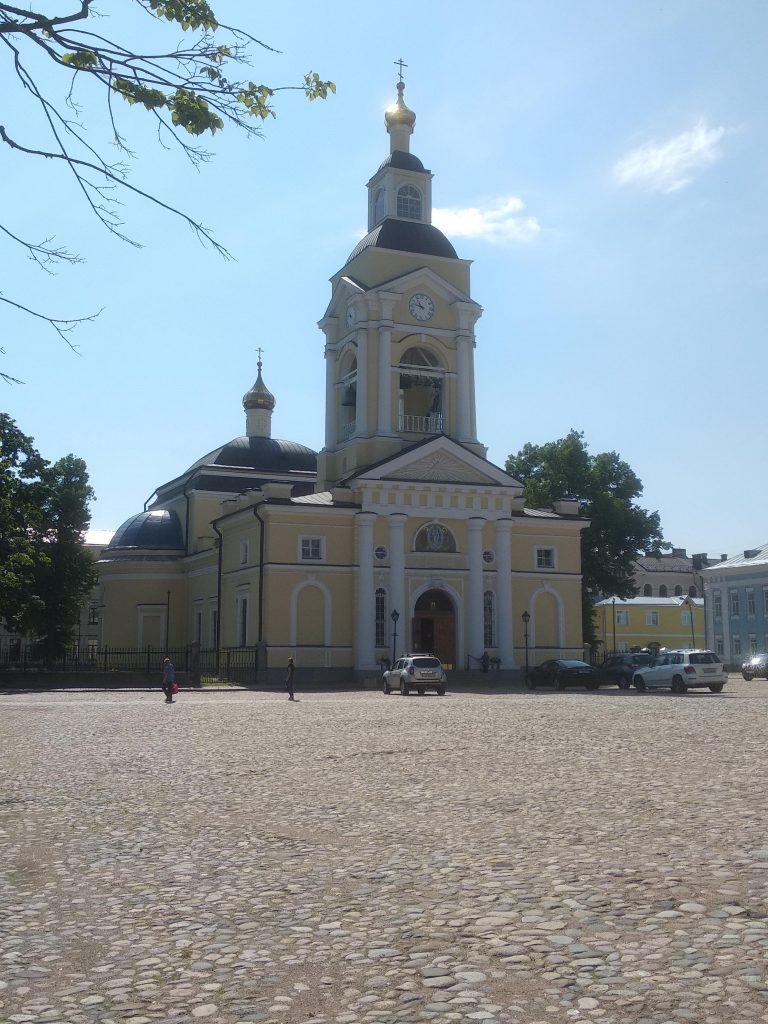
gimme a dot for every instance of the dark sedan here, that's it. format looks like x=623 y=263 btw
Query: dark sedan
x=755 y=667
x=561 y=672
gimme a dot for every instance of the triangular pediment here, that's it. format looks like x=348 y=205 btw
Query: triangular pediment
x=440 y=460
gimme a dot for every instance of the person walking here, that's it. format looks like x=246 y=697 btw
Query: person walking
x=289 y=679
x=169 y=679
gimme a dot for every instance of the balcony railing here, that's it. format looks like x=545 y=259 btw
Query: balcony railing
x=432 y=424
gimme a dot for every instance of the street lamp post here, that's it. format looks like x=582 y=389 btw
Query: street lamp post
x=526 y=619
x=613 y=605
x=689 y=602
x=394 y=616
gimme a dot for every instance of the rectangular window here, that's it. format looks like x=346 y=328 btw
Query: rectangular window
x=753 y=643
x=733 y=597
x=719 y=646
x=736 y=645
x=751 y=603
x=622 y=647
x=243 y=552
x=242 y=621
x=765 y=601
x=381 y=618
x=489 y=619
x=545 y=558
x=622 y=617
x=717 y=604
x=685 y=618
x=311 y=549
x=198 y=626
x=93 y=615
x=651 y=618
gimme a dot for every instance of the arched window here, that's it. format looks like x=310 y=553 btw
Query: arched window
x=662 y=590
x=489 y=619
x=421 y=392
x=409 y=202
x=647 y=590
x=693 y=592
x=678 y=591
x=435 y=538
x=381 y=617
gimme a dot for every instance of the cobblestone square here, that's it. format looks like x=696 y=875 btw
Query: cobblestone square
x=516 y=857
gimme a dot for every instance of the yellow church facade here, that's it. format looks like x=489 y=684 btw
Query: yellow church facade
x=399 y=535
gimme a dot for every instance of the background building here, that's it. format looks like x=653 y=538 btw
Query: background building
x=634 y=623
x=736 y=595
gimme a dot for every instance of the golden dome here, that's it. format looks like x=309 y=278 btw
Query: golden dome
x=259 y=397
x=399 y=114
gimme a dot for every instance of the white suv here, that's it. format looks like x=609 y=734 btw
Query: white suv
x=420 y=672
x=682 y=670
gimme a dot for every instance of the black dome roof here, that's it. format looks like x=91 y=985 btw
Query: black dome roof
x=406 y=236
x=402 y=161
x=268 y=454
x=159 y=528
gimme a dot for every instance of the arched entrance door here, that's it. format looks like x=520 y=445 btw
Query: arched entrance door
x=434 y=626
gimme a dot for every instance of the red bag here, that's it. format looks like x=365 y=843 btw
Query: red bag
x=174 y=687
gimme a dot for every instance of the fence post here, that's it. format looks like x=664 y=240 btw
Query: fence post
x=148 y=650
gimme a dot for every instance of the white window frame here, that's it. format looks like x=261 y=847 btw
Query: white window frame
x=752 y=641
x=243 y=552
x=651 y=618
x=736 y=645
x=409 y=203
x=750 y=603
x=313 y=543
x=685 y=618
x=622 y=617
x=197 y=628
x=719 y=646
x=539 y=551
x=717 y=604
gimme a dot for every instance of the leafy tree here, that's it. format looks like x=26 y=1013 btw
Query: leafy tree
x=185 y=88
x=45 y=571
x=607 y=487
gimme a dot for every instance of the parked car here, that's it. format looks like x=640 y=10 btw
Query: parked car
x=561 y=672
x=682 y=670
x=619 y=668
x=420 y=672
x=755 y=666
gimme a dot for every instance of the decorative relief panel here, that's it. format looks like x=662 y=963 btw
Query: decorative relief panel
x=440 y=466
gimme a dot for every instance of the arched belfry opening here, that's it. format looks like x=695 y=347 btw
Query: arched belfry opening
x=347 y=394
x=421 y=399
x=433 y=629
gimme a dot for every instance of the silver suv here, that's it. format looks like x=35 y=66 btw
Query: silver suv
x=682 y=670
x=420 y=672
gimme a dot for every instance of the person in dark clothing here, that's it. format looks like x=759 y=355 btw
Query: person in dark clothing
x=289 y=679
x=169 y=677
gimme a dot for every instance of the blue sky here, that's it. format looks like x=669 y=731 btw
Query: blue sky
x=603 y=164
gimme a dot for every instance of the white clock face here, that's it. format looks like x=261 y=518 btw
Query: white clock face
x=421 y=307
x=351 y=316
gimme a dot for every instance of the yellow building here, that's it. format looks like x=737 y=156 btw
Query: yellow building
x=634 y=623
x=400 y=534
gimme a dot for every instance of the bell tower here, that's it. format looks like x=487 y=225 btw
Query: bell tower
x=399 y=330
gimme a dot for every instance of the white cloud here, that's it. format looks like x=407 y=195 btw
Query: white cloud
x=500 y=221
x=669 y=166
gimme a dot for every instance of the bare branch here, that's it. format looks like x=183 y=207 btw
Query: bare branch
x=62 y=327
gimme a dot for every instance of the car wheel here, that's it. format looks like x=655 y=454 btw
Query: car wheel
x=678 y=686
x=716 y=687
x=560 y=682
x=422 y=691
x=404 y=688
x=386 y=688
x=639 y=683
x=593 y=686
x=530 y=684
x=748 y=676
x=441 y=691
x=623 y=682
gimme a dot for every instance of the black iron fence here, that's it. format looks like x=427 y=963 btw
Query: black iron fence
x=235 y=665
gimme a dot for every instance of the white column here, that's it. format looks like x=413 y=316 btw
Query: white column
x=361 y=406
x=365 y=652
x=330 y=398
x=463 y=390
x=397 y=599
x=384 y=424
x=504 y=623
x=474 y=603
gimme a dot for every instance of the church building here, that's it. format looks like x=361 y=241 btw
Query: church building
x=399 y=535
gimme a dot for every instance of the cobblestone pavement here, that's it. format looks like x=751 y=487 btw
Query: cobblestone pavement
x=526 y=858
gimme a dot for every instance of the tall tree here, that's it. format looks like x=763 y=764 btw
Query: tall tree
x=607 y=487
x=64 y=59
x=45 y=570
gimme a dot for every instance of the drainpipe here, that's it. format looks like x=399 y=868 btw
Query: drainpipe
x=261 y=572
x=186 y=520
x=218 y=596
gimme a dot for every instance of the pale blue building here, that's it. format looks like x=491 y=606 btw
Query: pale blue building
x=736 y=605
